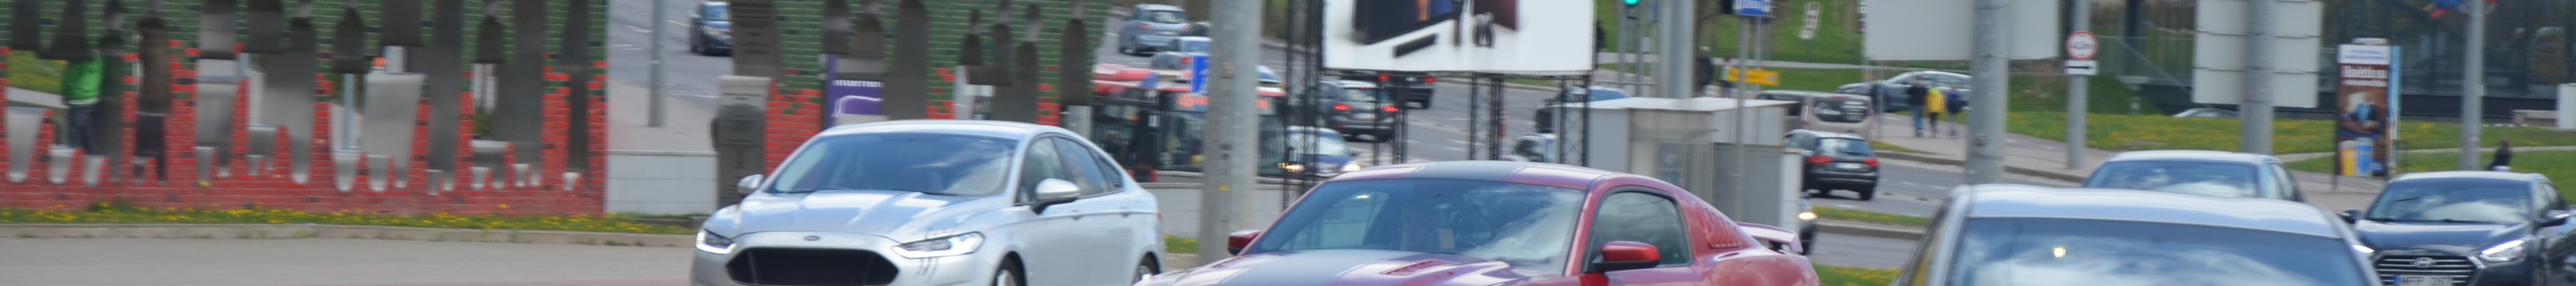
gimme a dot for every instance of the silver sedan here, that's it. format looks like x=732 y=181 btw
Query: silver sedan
x=935 y=202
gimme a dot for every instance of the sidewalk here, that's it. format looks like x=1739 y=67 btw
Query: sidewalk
x=2032 y=156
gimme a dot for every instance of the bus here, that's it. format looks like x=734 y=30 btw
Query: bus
x=1150 y=124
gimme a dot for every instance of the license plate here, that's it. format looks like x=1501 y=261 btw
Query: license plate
x=1168 y=33
x=2406 y=280
x=1847 y=165
x=1364 y=116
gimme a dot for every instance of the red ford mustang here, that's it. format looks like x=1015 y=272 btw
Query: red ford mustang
x=1501 y=223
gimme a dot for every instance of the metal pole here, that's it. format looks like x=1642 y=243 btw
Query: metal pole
x=2474 y=86
x=1628 y=45
x=1231 y=127
x=1494 y=142
x=653 y=117
x=2075 y=94
x=1743 y=54
x=2256 y=121
x=1991 y=72
x=1673 y=32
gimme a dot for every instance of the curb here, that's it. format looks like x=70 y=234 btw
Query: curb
x=1956 y=162
x=1868 y=229
x=294 y=231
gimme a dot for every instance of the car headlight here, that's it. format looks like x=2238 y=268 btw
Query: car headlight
x=1352 y=167
x=2502 y=252
x=2364 y=250
x=709 y=242
x=1806 y=215
x=944 y=246
x=1293 y=167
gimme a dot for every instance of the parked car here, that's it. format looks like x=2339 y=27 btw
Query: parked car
x=2004 y=234
x=1892 y=90
x=935 y=202
x=1836 y=161
x=1150 y=27
x=1178 y=53
x=1535 y=147
x=2205 y=112
x=1546 y=118
x=2208 y=173
x=1824 y=110
x=1500 y=223
x=1318 y=153
x=1354 y=108
x=2468 y=228
x=711 y=29
x=1412 y=87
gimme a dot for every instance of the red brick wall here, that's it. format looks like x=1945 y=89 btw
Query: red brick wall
x=274 y=189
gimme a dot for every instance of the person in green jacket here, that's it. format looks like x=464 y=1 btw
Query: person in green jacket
x=81 y=82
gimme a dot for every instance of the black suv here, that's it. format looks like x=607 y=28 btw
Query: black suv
x=1410 y=87
x=1837 y=161
x=2467 y=228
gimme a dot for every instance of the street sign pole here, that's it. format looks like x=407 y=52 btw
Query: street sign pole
x=2080 y=47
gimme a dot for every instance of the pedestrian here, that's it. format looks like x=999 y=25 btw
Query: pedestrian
x=1914 y=95
x=1936 y=105
x=1707 y=67
x=2503 y=156
x=80 y=84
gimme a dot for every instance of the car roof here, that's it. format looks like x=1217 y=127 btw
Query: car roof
x=2024 y=201
x=1312 y=129
x=1546 y=174
x=1157 y=7
x=987 y=128
x=1351 y=83
x=1823 y=134
x=2470 y=175
x=714 y=3
x=2189 y=155
x=1941 y=73
x=1192 y=39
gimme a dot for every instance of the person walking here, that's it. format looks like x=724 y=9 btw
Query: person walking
x=1707 y=71
x=2503 y=156
x=1914 y=96
x=1936 y=105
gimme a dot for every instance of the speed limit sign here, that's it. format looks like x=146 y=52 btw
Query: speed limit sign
x=2081 y=46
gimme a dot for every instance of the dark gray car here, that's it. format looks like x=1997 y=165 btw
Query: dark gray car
x=2025 y=235
x=2468 y=228
x=1892 y=90
x=711 y=30
x=1179 y=51
x=1150 y=27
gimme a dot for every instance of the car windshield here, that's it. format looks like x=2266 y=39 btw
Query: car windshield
x=2044 y=251
x=1528 y=226
x=2458 y=200
x=2216 y=179
x=945 y=164
x=717 y=13
x=1370 y=95
x=1600 y=94
x=1843 y=146
x=1319 y=143
x=1164 y=16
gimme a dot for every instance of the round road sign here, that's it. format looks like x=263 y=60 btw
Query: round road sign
x=2081 y=45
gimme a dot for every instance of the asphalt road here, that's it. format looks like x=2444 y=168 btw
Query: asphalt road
x=108 y=262
x=1860 y=251
x=690 y=78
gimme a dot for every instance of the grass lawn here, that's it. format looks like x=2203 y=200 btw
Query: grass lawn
x=1174 y=244
x=2113 y=131
x=28 y=72
x=115 y=213
x=2558 y=165
x=1855 y=276
x=1883 y=147
x=1835 y=40
x=1872 y=217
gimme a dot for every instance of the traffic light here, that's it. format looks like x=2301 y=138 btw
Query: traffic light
x=1629 y=2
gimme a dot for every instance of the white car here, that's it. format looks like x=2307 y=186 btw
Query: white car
x=935 y=202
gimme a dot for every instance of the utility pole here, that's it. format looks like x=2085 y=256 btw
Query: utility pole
x=2076 y=89
x=2256 y=111
x=653 y=117
x=1231 y=121
x=1673 y=32
x=1987 y=65
x=2473 y=86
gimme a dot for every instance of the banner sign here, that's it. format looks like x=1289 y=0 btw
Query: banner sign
x=1446 y=36
x=2364 y=130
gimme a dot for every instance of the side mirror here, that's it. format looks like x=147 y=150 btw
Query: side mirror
x=2556 y=218
x=2351 y=215
x=1054 y=191
x=1626 y=255
x=1235 y=242
x=748 y=184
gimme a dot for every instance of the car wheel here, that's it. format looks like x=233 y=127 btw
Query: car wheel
x=1009 y=275
x=1144 y=270
x=1806 y=246
x=1867 y=194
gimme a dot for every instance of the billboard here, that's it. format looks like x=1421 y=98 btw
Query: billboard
x=1472 y=35
x=2219 y=52
x=1940 y=30
x=2364 y=130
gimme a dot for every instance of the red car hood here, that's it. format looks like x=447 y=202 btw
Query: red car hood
x=1345 y=267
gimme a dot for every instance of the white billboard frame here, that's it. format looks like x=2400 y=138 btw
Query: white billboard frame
x=1941 y=30
x=2218 y=52
x=1529 y=37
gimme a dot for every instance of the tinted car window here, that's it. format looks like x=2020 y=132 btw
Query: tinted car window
x=2216 y=179
x=1607 y=94
x=2039 y=251
x=1845 y=146
x=1528 y=226
x=1361 y=95
x=1642 y=217
x=947 y=164
x=2482 y=201
x=716 y=13
x=1319 y=143
x=1163 y=16
x=1079 y=164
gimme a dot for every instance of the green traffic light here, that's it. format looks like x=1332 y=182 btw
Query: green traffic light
x=1630 y=2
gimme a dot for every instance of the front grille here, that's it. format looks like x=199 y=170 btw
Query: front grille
x=807 y=266
x=2457 y=267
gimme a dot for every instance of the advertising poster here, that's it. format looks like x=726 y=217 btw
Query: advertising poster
x=850 y=97
x=1459 y=35
x=2364 y=127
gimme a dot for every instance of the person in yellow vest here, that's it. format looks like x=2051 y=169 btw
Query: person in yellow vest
x=1936 y=104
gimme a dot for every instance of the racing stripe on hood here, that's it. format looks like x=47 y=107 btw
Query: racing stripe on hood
x=1312 y=268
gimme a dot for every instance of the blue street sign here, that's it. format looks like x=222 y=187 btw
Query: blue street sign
x=1151 y=80
x=1753 y=8
x=1198 y=74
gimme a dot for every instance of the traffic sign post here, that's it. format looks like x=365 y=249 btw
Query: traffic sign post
x=1198 y=74
x=2080 y=67
x=2081 y=46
